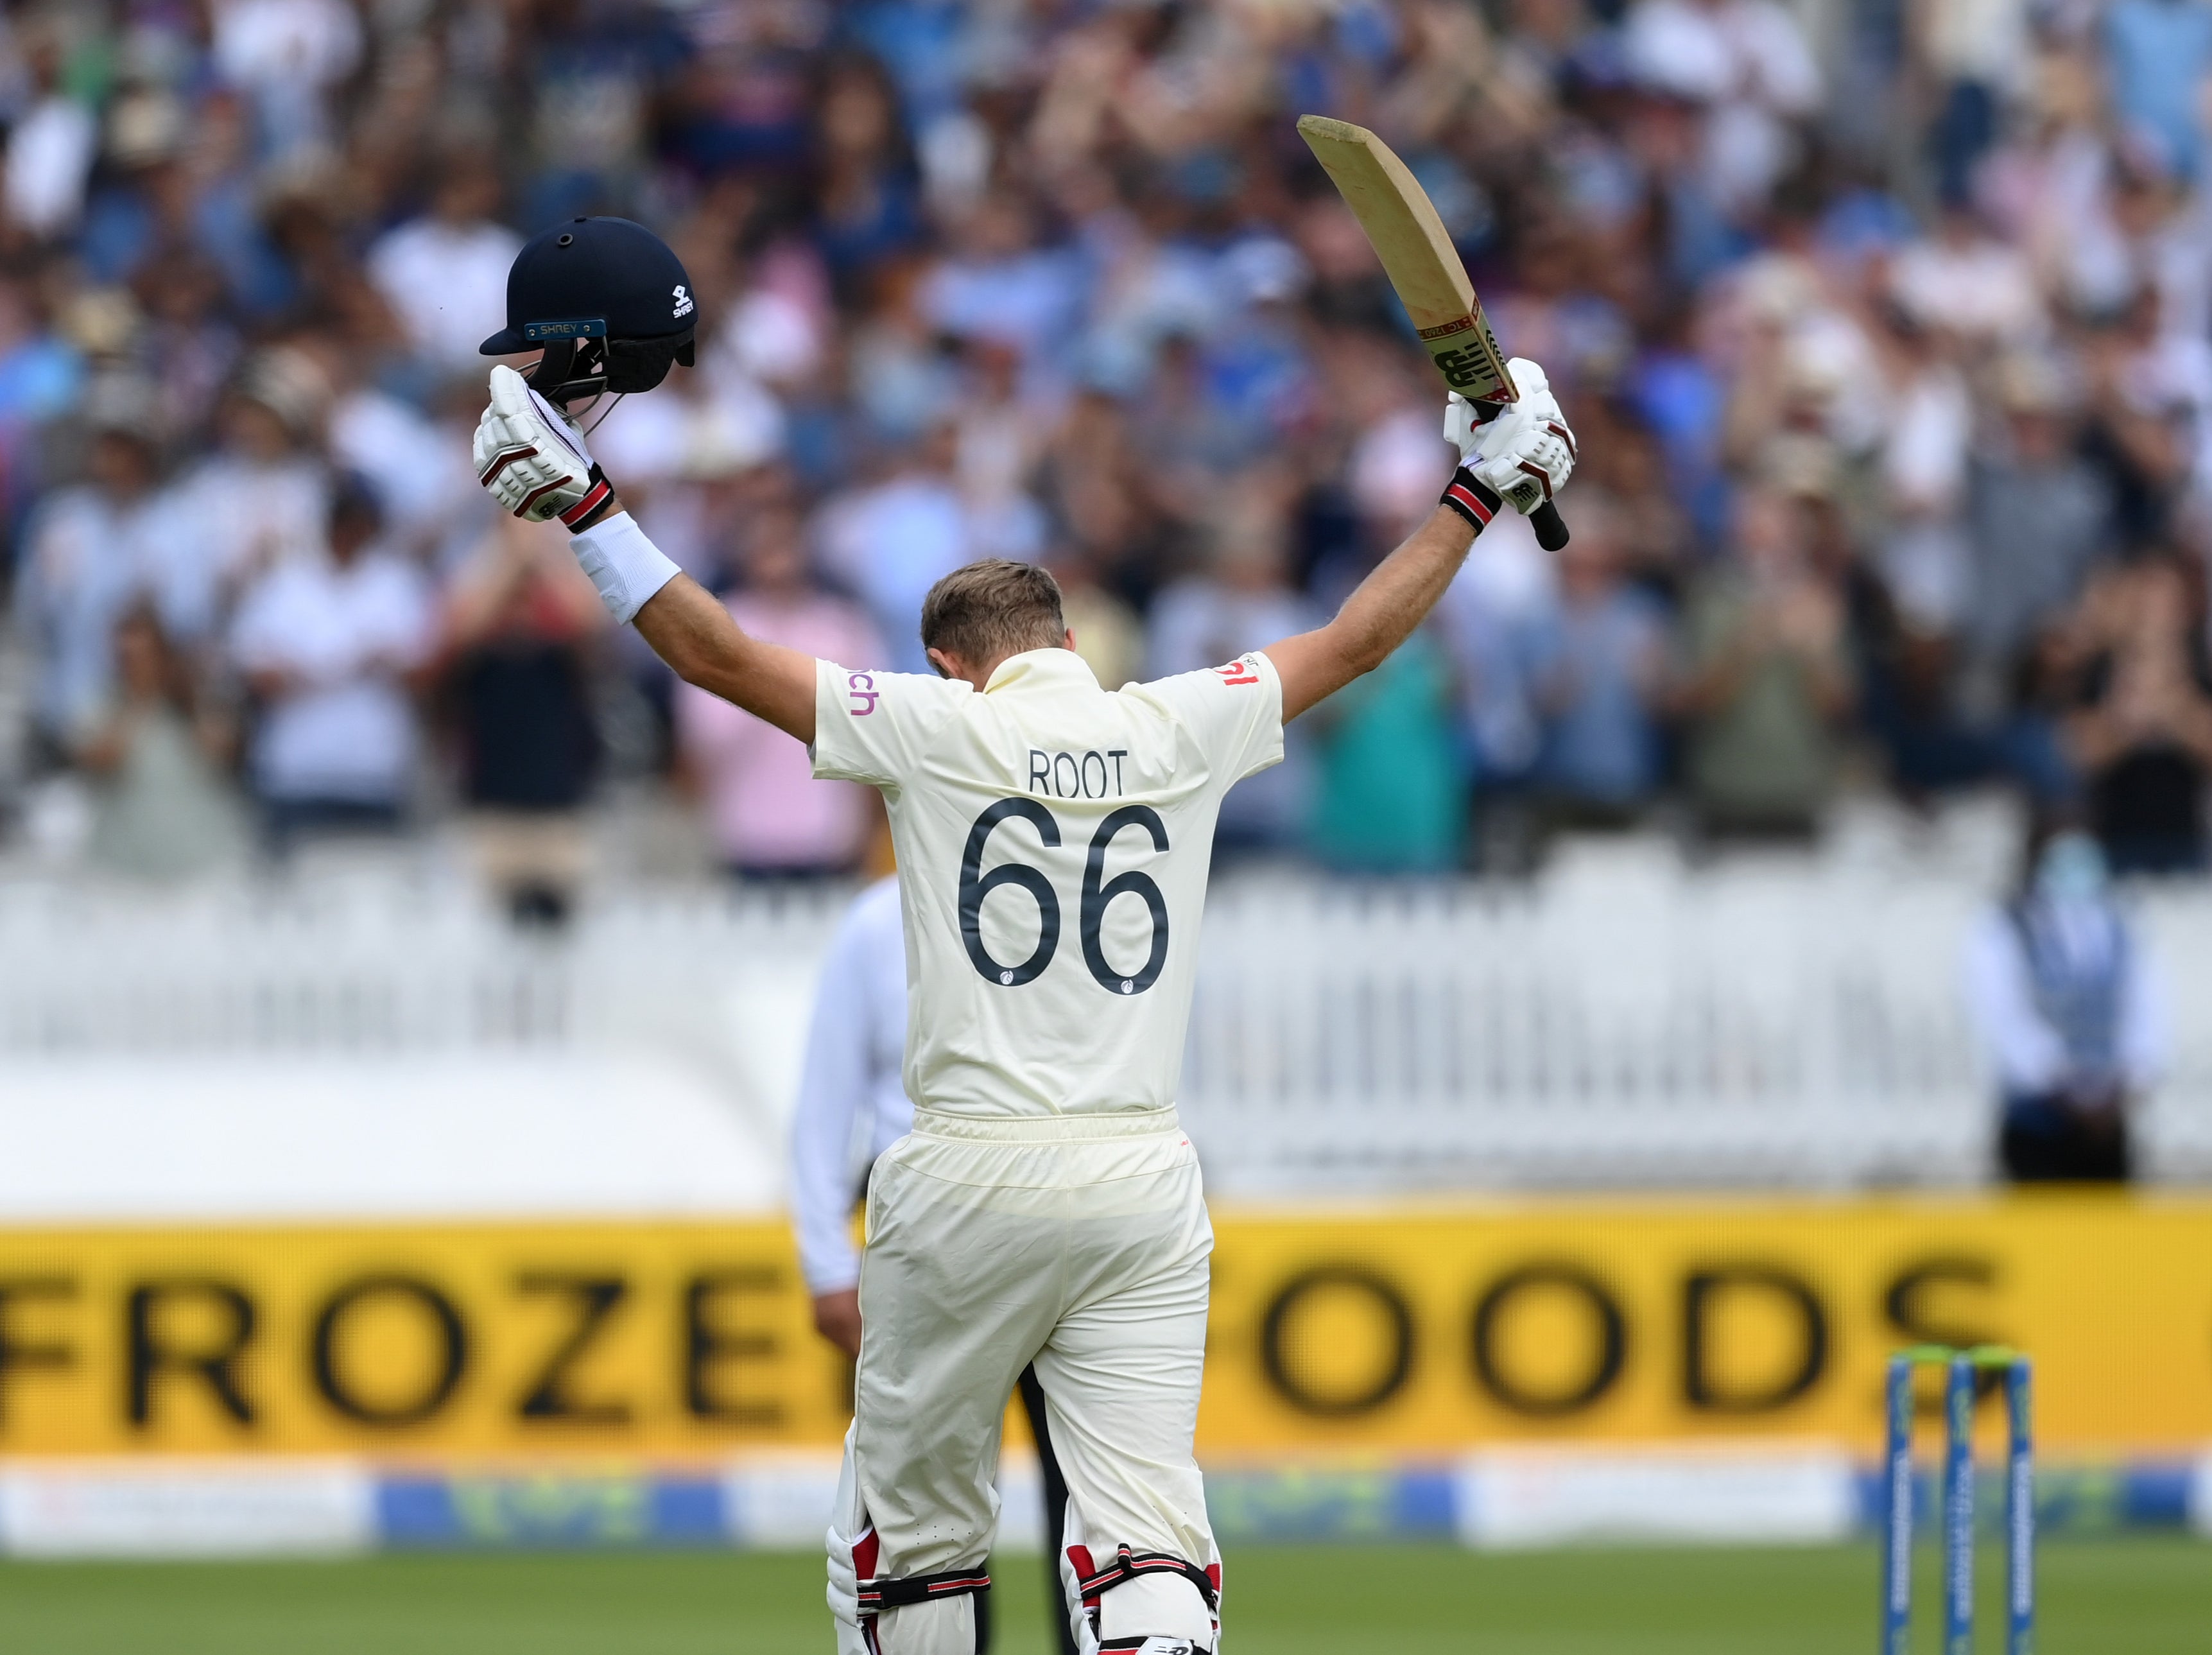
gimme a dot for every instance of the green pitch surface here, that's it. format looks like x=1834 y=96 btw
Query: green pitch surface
x=2141 y=1596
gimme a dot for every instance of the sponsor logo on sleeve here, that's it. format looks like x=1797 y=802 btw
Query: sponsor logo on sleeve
x=1237 y=671
x=861 y=688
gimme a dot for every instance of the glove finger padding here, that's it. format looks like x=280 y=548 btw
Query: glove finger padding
x=1529 y=378
x=1535 y=468
x=558 y=426
x=511 y=396
x=531 y=460
x=1527 y=454
x=1461 y=429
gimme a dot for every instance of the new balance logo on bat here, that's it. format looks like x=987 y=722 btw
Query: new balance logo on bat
x=1460 y=368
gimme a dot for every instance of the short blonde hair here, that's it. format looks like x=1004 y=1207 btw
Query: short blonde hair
x=992 y=608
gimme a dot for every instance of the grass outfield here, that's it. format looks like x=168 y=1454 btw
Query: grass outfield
x=2140 y=1596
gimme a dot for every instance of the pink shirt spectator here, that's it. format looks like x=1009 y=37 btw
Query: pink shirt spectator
x=766 y=809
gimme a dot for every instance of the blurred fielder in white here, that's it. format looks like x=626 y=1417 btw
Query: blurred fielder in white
x=851 y=1102
x=1053 y=841
x=852 y=1107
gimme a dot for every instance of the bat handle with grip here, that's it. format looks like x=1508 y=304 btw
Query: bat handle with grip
x=1551 y=528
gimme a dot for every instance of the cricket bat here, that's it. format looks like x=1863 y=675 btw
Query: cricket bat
x=1425 y=268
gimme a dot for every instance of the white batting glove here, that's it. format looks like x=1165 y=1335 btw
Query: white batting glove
x=1528 y=452
x=531 y=460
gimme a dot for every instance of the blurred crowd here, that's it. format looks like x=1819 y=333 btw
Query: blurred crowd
x=1887 y=331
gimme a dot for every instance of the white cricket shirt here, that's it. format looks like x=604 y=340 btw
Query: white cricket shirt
x=1053 y=840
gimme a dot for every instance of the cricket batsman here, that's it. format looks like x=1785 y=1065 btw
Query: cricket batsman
x=1052 y=840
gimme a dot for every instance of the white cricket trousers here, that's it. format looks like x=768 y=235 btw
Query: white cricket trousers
x=1077 y=1243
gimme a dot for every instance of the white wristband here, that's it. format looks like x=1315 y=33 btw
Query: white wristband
x=627 y=568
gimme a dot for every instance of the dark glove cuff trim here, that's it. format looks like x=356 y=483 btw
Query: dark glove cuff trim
x=593 y=506
x=1473 y=500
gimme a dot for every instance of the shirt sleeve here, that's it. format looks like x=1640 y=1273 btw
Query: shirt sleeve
x=2023 y=1050
x=1235 y=711
x=875 y=727
x=833 y=1095
x=2146 y=1040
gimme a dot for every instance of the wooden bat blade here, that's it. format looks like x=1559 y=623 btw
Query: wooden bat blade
x=1416 y=254
x=1425 y=268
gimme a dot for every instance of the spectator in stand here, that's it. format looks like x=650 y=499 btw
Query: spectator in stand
x=519 y=625
x=287 y=56
x=1747 y=64
x=1964 y=282
x=444 y=274
x=52 y=145
x=998 y=442
x=2039 y=517
x=867 y=212
x=1017 y=278
x=2150 y=401
x=1764 y=681
x=43 y=371
x=770 y=817
x=87 y=554
x=1203 y=620
x=891 y=541
x=1388 y=794
x=164 y=806
x=2071 y=1014
x=1599 y=662
x=190 y=347
x=1108 y=635
x=2157 y=54
x=1493 y=615
x=331 y=642
x=1976 y=51
x=259 y=501
x=2141 y=733
x=409 y=458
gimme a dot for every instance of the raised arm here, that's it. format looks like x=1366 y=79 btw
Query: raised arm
x=535 y=464
x=1528 y=443
x=694 y=635
x=1378 y=617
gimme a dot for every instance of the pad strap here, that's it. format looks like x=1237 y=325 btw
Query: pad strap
x=1127 y=1566
x=877 y=1595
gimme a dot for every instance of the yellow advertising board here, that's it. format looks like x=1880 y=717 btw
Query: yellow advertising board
x=1424 y=1331
x=1617 y=1321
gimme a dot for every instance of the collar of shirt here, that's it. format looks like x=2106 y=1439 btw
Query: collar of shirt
x=1040 y=669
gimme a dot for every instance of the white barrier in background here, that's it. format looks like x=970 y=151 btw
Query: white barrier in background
x=1623 y=1021
x=1627 y=1022
x=186 y=1508
x=1768 y=1495
x=781 y=1502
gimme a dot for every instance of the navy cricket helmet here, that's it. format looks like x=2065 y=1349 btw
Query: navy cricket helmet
x=608 y=301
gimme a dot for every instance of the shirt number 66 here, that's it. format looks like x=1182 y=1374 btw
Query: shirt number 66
x=975 y=885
